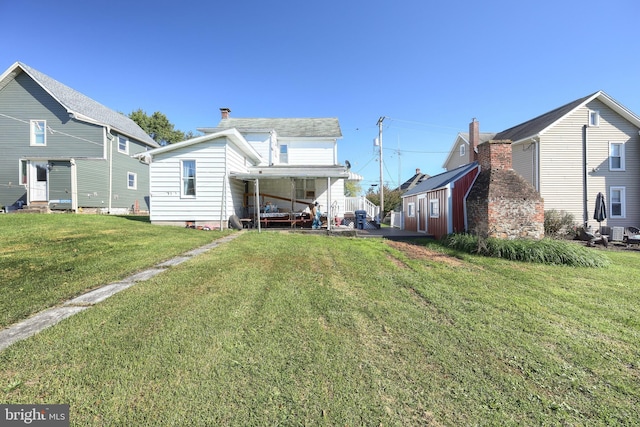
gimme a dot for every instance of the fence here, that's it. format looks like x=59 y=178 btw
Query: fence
x=361 y=203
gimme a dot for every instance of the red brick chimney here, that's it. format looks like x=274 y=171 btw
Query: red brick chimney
x=224 y=112
x=495 y=155
x=474 y=139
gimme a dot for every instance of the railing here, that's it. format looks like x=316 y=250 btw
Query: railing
x=361 y=203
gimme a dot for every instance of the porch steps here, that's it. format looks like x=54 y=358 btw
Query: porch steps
x=34 y=208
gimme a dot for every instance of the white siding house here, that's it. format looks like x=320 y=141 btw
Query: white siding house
x=260 y=170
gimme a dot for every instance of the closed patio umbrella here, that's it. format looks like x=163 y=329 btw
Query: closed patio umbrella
x=600 y=213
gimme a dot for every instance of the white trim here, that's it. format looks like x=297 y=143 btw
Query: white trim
x=411 y=210
x=126 y=144
x=434 y=213
x=32 y=134
x=182 y=178
x=135 y=180
x=594 y=118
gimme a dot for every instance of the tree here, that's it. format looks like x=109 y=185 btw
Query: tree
x=352 y=188
x=158 y=127
x=392 y=198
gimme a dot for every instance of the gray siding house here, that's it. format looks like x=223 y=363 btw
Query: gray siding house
x=65 y=151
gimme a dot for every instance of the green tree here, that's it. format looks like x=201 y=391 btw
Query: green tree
x=352 y=188
x=392 y=198
x=158 y=127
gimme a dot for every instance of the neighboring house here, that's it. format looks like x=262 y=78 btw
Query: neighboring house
x=572 y=153
x=245 y=167
x=436 y=206
x=65 y=151
x=460 y=154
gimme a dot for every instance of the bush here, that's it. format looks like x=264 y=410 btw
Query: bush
x=558 y=223
x=545 y=251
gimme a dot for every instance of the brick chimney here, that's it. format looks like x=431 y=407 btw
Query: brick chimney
x=224 y=113
x=417 y=171
x=501 y=203
x=474 y=139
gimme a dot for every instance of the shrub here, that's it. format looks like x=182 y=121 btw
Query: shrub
x=545 y=251
x=558 y=223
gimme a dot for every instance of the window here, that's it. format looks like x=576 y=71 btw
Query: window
x=411 y=210
x=284 y=154
x=123 y=145
x=24 y=180
x=305 y=188
x=594 y=118
x=463 y=150
x=617 y=201
x=188 y=188
x=616 y=156
x=38 y=132
x=434 y=208
x=132 y=181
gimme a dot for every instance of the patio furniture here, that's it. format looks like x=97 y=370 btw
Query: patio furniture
x=592 y=238
x=632 y=236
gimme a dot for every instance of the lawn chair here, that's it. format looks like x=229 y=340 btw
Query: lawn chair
x=631 y=236
x=592 y=238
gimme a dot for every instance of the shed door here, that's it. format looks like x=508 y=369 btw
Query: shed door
x=422 y=214
x=38 y=182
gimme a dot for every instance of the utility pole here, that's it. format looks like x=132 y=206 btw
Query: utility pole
x=380 y=120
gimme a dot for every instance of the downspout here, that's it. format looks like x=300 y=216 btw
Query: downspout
x=585 y=159
x=110 y=138
x=74 y=186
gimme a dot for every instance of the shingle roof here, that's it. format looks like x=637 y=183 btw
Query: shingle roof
x=538 y=124
x=305 y=127
x=76 y=102
x=440 y=180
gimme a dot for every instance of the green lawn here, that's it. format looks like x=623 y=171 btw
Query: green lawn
x=291 y=329
x=47 y=259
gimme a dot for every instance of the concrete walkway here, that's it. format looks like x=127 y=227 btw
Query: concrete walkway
x=51 y=316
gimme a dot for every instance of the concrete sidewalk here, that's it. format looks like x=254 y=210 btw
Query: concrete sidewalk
x=51 y=316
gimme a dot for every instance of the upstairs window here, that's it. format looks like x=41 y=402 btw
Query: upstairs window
x=616 y=156
x=463 y=150
x=594 y=118
x=618 y=202
x=284 y=154
x=38 y=132
x=188 y=177
x=123 y=145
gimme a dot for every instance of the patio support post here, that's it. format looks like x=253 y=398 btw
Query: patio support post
x=257 y=204
x=328 y=203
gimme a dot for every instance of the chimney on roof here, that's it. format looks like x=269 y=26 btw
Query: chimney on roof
x=224 y=113
x=474 y=139
x=417 y=171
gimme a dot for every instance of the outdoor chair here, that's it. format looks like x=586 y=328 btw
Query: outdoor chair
x=592 y=238
x=632 y=236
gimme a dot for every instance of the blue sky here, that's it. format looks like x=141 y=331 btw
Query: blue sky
x=428 y=67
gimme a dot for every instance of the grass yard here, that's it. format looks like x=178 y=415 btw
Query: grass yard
x=291 y=329
x=47 y=259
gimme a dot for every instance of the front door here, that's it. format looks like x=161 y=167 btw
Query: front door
x=38 y=182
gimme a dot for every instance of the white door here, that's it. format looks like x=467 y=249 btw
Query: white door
x=38 y=182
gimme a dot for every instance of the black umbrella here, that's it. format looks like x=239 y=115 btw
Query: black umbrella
x=600 y=213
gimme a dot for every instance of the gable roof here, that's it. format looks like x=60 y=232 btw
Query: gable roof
x=285 y=128
x=540 y=124
x=80 y=106
x=440 y=180
x=464 y=137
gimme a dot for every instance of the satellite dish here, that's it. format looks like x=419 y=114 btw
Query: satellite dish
x=347 y=164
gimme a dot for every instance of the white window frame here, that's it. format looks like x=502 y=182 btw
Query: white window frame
x=594 y=118
x=622 y=159
x=183 y=195
x=434 y=208
x=35 y=128
x=463 y=150
x=124 y=150
x=130 y=176
x=284 y=154
x=23 y=172
x=411 y=210
x=621 y=202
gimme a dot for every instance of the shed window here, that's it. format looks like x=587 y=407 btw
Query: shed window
x=434 y=208
x=616 y=156
x=617 y=200
x=411 y=210
x=38 y=132
x=188 y=177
